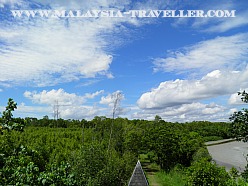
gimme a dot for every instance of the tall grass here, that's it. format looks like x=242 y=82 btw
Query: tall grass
x=173 y=178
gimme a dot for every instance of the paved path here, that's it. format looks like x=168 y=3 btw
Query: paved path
x=231 y=154
x=152 y=180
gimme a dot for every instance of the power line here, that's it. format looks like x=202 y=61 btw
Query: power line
x=56 y=108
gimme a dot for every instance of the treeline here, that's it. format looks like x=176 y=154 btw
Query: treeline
x=210 y=131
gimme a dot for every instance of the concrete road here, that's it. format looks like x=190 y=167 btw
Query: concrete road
x=231 y=154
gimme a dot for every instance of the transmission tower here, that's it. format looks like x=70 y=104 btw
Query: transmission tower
x=56 y=110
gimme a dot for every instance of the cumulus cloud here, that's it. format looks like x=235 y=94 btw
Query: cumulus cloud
x=186 y=112
x=60 y=96
x=222 y=52
x=79 y=112
x=71 y=105
x=53 y=96
x=214 y=84
x=65 y=111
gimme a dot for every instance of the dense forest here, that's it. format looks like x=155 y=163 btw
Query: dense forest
x=104 y=151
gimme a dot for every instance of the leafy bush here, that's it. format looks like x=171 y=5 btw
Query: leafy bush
x=202 y=153
x=203 y=173
x=94 y=165
x=57 y=175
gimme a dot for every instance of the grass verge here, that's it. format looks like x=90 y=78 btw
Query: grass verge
x=173 y=178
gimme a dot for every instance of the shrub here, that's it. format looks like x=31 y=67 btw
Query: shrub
x=203 y=173
x=202 y=153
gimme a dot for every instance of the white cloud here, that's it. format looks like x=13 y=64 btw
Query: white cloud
x=74 y=4
x=11 y=3
x=235 y=99
x=53 y=96
x=228 y=24
x=232 y=110
x=45 y=52
x=65 y=112
x=214 y=84
x=79 y=112
x=110 y=99
x=93 y=95
x=49 y=53
x=32 y=111
x=186 y=112
x=217 y=25
x=113 y=101
x=212 y=109
x=222 y=52
x=89 y=82
x=70 y=105
x=63 y=98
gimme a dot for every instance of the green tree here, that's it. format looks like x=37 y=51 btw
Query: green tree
x=157 y=118
x=240 y=126
x=7 y=121
x=240 y=121
x=172 y=144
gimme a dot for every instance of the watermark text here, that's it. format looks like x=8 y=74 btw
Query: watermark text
x=121 y=14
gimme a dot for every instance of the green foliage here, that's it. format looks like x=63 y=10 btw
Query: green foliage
x=234 y=173
x=244 y=96
x=93 y=164
x=17 y=167
x=236 y=182
x=134 y=139
x=65 y=156
x=212 y=138
x=240 y=121
x=57 y=175
x=172 y=144
x=7 y=121
x=152 y=157
x=175 y=177
x=245 y=173
x=204 y=172
x=240 y=125
x=210 y=131
x=236 y=179
x=202 y=153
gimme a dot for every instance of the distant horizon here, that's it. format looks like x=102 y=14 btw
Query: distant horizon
x=52 y=118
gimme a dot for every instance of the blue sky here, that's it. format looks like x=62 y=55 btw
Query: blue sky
x=182 y=69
